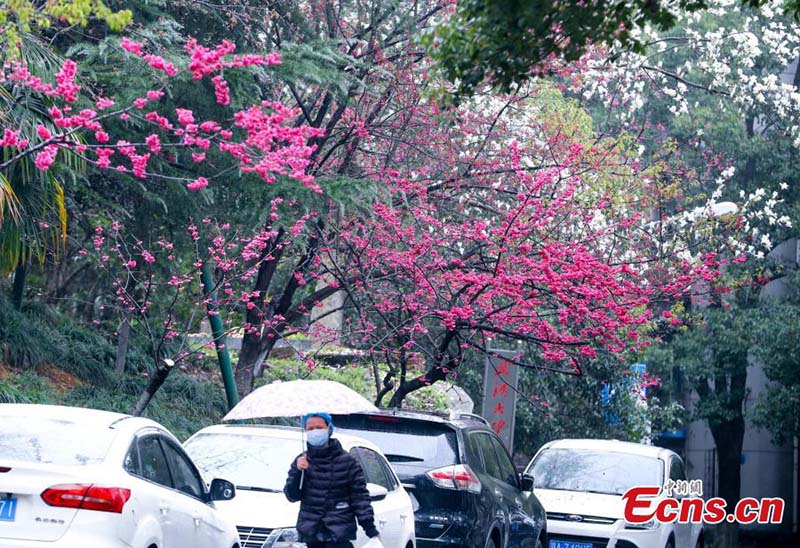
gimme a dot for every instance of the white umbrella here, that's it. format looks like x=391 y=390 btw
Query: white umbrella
x=297 y=398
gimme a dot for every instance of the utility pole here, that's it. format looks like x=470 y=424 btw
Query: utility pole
x=218 y=332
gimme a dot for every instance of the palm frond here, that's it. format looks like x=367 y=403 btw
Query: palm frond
x=9 y=204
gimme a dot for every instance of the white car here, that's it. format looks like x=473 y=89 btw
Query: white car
x=581 y=483
x=257 y=459
x=79 y=477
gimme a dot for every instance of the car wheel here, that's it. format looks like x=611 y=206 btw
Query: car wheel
x=491 y=543
x=670 y=544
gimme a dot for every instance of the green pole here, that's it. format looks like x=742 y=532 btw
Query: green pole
x=218 y=332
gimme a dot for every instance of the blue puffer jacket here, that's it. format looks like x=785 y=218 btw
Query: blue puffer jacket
x=333 y=497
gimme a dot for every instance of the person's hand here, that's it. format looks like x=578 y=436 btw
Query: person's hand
x=302 y=462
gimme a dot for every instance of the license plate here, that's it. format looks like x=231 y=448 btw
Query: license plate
x=8 y=509
x=569 y=544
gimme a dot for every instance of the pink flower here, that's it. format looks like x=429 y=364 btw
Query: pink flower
x=45 y=159
x=10 y=138
x=198 y=156
x=131 y=47
x=101 y=136
x=140 y=103
x=153 y=142
x=197 y=184
x=221 y=90
x=103 y=103
x=185 y=116
x=65 y=80
x=159 y=63
x=155 y=95
x=43 y=132
x=103 y=157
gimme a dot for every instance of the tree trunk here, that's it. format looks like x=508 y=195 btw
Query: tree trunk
x=122 y=343
x=251 y=357
x=729 y=437
x=156 y=381
x=18 y=289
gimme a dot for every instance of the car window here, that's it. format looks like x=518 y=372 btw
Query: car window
x=676 y=470
x=185 y=478
x=393 y=482
x=153 y=462
x=373 y=468
x=52 y=440
x=507 y=468
x=490 y=463
x=131 y=462
x=409 y=443
x=473 y=453
x=599 y=471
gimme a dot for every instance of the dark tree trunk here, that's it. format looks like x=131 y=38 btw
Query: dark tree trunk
x=122 y=343
x=729 y=437
x=18 y=288
x=444 y=362
x=251 y=359
x=156 y=381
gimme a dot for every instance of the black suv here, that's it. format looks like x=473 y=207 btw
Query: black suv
x=463 y=484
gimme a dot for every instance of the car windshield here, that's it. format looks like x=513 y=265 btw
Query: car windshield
x=254 y=462
x=49 y=440
x=594 y=471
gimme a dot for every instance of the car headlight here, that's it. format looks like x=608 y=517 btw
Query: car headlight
x=284 y=538
x=648 y=525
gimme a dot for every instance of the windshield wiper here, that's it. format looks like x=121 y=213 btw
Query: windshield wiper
x=577 y=490
x=259 y=489
x=402 y=458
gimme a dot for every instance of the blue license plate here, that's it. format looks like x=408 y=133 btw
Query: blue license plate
x=569 y=544
x=8 y=509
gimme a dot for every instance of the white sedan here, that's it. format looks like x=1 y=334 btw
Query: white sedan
x=80 y=477
x=581 y=482
x=257 y=460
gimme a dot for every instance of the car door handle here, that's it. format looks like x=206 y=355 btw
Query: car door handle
x=164 y=508
x=197 y=520
x=382 y=522
x=403 y=517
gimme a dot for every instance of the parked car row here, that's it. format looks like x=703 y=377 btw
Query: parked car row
x=80 y=477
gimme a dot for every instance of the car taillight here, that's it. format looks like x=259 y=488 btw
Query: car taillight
x=458 y=477
x=87 y=497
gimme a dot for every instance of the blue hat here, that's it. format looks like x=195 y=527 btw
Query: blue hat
x=324 y=416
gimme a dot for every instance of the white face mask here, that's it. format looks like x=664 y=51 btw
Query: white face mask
x=318 y=438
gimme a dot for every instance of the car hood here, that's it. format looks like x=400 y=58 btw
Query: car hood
x=258 y=509
x=584 y=504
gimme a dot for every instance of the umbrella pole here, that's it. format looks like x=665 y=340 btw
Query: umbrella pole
x=303 y=444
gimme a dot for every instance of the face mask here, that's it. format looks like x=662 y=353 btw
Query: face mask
x=318 y=438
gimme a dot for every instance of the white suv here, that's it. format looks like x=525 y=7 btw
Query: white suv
x=581 y=483
x=80 y=477
x=257 y=460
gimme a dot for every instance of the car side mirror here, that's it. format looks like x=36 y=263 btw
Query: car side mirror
x=525 y=482
x=376 y=492
x=221 y=489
